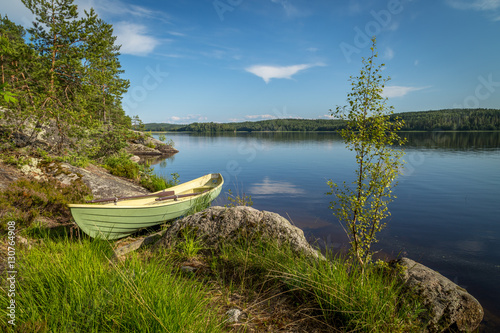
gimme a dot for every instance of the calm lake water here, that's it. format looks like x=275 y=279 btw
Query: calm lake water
x=446 y=215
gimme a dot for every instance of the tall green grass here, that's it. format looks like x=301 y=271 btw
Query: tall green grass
x=65 y=286
x=344 y=298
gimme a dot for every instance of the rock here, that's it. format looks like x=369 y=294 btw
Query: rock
x=105 y=185
x=23 y=241
x=139 y=149
x=8 y=174
x=135 y=158
x=149 y=146
x=99 y=180
x=144 y=241
x=45 y=136
x=189 y=270
x=32 y=170
x=449 y=307
x=233 y=315
x=218 y=225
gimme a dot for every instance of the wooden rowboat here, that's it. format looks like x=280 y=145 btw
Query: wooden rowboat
x=115 y=218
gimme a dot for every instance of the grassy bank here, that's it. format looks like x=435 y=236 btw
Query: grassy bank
x=66 y=286
x=77 y=285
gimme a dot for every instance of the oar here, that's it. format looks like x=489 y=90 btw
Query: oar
x=161 y=194
x=175 y=197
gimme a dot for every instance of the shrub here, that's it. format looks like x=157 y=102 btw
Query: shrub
x=154 y=182
x=121 y=165
x=25 y=200
x=108 y=141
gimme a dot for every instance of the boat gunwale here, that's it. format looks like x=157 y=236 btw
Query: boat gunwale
x=153 y=203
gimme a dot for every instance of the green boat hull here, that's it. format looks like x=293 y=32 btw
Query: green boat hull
x=117 y=220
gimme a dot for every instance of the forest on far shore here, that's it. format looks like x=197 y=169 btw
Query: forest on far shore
x=445 y=120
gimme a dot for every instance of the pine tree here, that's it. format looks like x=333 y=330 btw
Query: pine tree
x=103 y=69
x=57 y=36
x=20 y=79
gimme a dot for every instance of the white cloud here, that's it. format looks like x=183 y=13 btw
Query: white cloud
x=490 y=7
x=355 y=7
x=260 y=116
x=190 y=118
x=132 y=36
x=131 y=23
x=120 y=9
x=278 y=72
x=290 y=10
x=18 y=13
x=389 y=53
x=394 y=26
x=327 y=116
x=399 y=91
x=134 y=39
x=176 y=33
x=479 y=5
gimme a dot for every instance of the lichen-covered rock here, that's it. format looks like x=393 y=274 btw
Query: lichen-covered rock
x=449 y=307
x=32 y=170
x=149 y=146
x=105 y=185
x=100 y=181
x=140 y=149
x=135 y=158
x=220 y=225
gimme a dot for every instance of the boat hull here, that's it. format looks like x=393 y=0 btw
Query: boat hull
x=118 y=220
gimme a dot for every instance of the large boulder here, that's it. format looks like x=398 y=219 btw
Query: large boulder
x=219 y=225
x=103 y=184
x=448 y=306
x=99 y=180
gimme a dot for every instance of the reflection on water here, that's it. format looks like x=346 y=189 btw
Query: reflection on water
x=272 y=136
x=453 y=140
x=162 y=160
x=431 y=139
x=446 y=214
x=269 y=187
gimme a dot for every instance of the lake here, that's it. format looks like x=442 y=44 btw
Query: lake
x=446 y=215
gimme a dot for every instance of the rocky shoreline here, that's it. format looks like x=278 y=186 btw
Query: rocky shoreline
x=149 y=146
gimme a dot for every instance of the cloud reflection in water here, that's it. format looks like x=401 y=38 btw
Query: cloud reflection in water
x=268 y=187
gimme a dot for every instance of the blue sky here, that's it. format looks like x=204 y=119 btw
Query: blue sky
x=237 y=60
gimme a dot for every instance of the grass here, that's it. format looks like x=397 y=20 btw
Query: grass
x=74 y=286
x=68 y=286
x=235 y=200
x=337 y=294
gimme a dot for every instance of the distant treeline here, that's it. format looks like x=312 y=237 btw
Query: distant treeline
x=446 y=120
